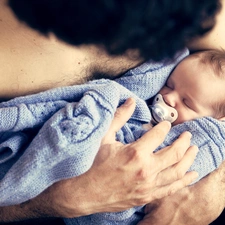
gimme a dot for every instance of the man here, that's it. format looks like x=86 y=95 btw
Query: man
x=90 y=60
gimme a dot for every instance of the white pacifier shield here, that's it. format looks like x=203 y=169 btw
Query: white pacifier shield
x=161 y=111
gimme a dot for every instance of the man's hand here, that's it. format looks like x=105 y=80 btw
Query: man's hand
x=122 y=176
x=198 y=204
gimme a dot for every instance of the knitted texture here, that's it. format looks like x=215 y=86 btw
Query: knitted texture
x=56 y=134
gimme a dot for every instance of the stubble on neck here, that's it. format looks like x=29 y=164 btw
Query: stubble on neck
x=103 y=65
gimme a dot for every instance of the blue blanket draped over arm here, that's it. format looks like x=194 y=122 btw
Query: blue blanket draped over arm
x=70 y=123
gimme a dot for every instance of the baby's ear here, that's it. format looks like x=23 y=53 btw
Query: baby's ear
x=222 y=119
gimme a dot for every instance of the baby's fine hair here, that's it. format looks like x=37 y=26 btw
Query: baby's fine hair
x=216 y=59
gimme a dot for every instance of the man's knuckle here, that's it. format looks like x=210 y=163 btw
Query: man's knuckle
x=118 y=113
x=180 y=174
x=178 y=153
x=133 y=154
x=171 y=191
x=142 y=174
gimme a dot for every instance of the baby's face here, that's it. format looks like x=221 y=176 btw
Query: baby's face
x=193 y=89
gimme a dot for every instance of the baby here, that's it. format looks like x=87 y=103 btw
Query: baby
x=194 y=89
x=71 y=121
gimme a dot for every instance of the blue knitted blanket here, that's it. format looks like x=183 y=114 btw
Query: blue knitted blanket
x=56 y=134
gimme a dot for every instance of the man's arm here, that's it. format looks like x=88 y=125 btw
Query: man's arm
x=198 y=204
x=131 y=175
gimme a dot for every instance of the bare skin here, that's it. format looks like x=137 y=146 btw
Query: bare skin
x=214 y=38
x=199 y=204
x=131 y=163
x=41 y=63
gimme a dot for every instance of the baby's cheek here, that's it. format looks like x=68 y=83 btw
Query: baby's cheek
x=183 y=117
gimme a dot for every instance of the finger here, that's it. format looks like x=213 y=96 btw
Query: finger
x=177 y=185
x=175 y=152
x=153 y=138
x=178 y=170
x=121 y=116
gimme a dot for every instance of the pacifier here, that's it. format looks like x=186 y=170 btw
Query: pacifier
x=161 y=111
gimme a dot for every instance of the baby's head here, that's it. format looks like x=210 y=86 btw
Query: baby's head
x=196 y=87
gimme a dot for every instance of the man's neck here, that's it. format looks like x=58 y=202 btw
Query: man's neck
x=31 y=63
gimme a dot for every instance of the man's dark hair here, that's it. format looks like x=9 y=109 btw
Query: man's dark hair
x=157 y=28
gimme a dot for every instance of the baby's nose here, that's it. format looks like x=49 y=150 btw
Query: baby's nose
x=170 y=99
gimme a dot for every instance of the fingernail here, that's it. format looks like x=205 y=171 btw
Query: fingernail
x=189 y=133
x=129 y=102
x=167 y=122
x=147 y=126
x=196 y=149
x=196 y=175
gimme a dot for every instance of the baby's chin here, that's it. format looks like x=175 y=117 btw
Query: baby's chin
x=177 y=121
